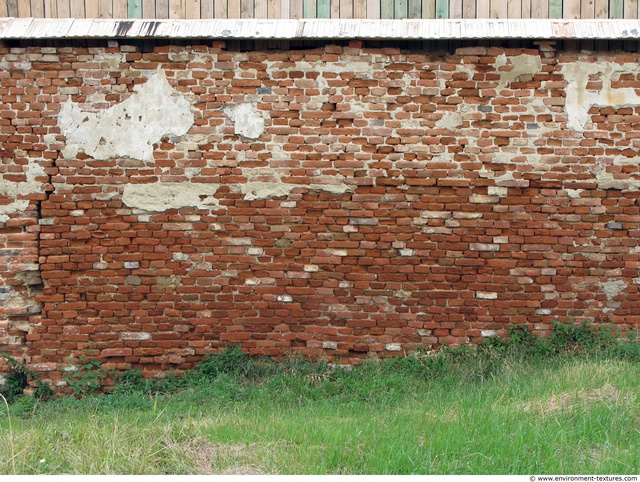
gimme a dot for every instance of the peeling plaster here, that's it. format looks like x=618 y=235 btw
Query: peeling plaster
x=130 y=128
x=611 y=289
x=579 y=100
x=13 y=190
x=523 y=65
x=160 y=196
x=246 y=118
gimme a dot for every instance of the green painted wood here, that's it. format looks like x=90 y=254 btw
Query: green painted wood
x=555 y=8
x=442 y=8
x=386 y=8
x=134 y=8
x=324 y=9
x=616 y=9
x=400 y=10
x=415 y=9
x=309 y=9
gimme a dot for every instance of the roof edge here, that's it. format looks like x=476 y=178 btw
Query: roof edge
x=311 y=29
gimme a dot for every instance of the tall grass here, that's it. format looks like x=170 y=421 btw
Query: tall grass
x=563 y=405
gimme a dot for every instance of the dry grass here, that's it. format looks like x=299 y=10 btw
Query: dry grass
x=569 y=401
x=211 y=458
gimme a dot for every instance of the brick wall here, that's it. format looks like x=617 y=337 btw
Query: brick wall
x=339 y=202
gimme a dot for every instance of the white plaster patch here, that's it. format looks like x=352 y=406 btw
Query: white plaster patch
x=128 y=129
x=13 y=190
x=523 y=65
x=579 y=100
x=611 y=289
x=247 y=120
x=160 y=196
x=450 y=121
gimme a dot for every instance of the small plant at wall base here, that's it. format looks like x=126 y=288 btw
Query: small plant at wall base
x=17 y=380
x=88 y=377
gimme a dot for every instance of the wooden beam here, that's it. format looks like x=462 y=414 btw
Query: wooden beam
x=134 y=8
x=400 y=9
x=373 y=9
x=206 y=9
x=514 y=8
x=571 y=9
x=359 y=8
x=220 y=8
x=37 y=8
x=428 y=8
x=539 y=8
x=335 y=8
x=260 y=9
x=386 y=8
x=442 y=9
x=295 y=9
x=192 y=8
x=233 y=8
x=555 y=8
x=246 y=9
x=455 y=8
x=273 y=8
x=119 y=9
x=285 y=8
x=323 y=9
x=346 y=8
x=162 y=8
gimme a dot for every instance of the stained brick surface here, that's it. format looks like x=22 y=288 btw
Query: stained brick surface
x=438 y=229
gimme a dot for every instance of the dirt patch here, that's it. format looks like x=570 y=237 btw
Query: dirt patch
x=211 y=458
x=568 y=401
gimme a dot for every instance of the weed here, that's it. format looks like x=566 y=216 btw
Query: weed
x=88 y=378
x=18 y=379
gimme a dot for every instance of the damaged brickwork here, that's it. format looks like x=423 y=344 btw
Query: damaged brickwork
x=338 y=202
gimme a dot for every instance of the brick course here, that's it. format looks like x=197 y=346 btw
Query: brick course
x=421 y=202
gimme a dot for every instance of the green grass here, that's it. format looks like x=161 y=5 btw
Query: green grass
x=500 y=410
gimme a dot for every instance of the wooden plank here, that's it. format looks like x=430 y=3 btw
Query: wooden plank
x=284 y=9
x=526 y=9
x=483 y=8
x=400 y=10
x=468 y=8
x=24 y=8
x=12 y=8
x=51 y=9
x=260 y=9
x=220 y=9
x=442 y=9
x=346 y=8
x=148 y=9
x=192 y=8
x=77 y=9
x=514 y=8
x=162 y=8
x=3 y=9
x=246 y=9
x=323 y=9
x=37 y=8
x=206 y=9
x=233 y=8
x=134 y=8
x=455 y=8
x=428 y=8
x=601 y=9
x=631 y=9
x=571 y=9
x=498 y=9
x=373 y=9
x=539 y=8
x=176 y=9
x=273 y=8
x=555 y=8
x=386 y=9
x=309 y=9
x=119 y=9
x=105 y=9
x=335 y=8
x=64 y=9
x=588 y=9
x=616 y=9
x=359 y=8
x=295 y=9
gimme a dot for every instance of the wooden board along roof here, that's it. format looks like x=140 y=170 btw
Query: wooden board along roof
x=409 y=29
